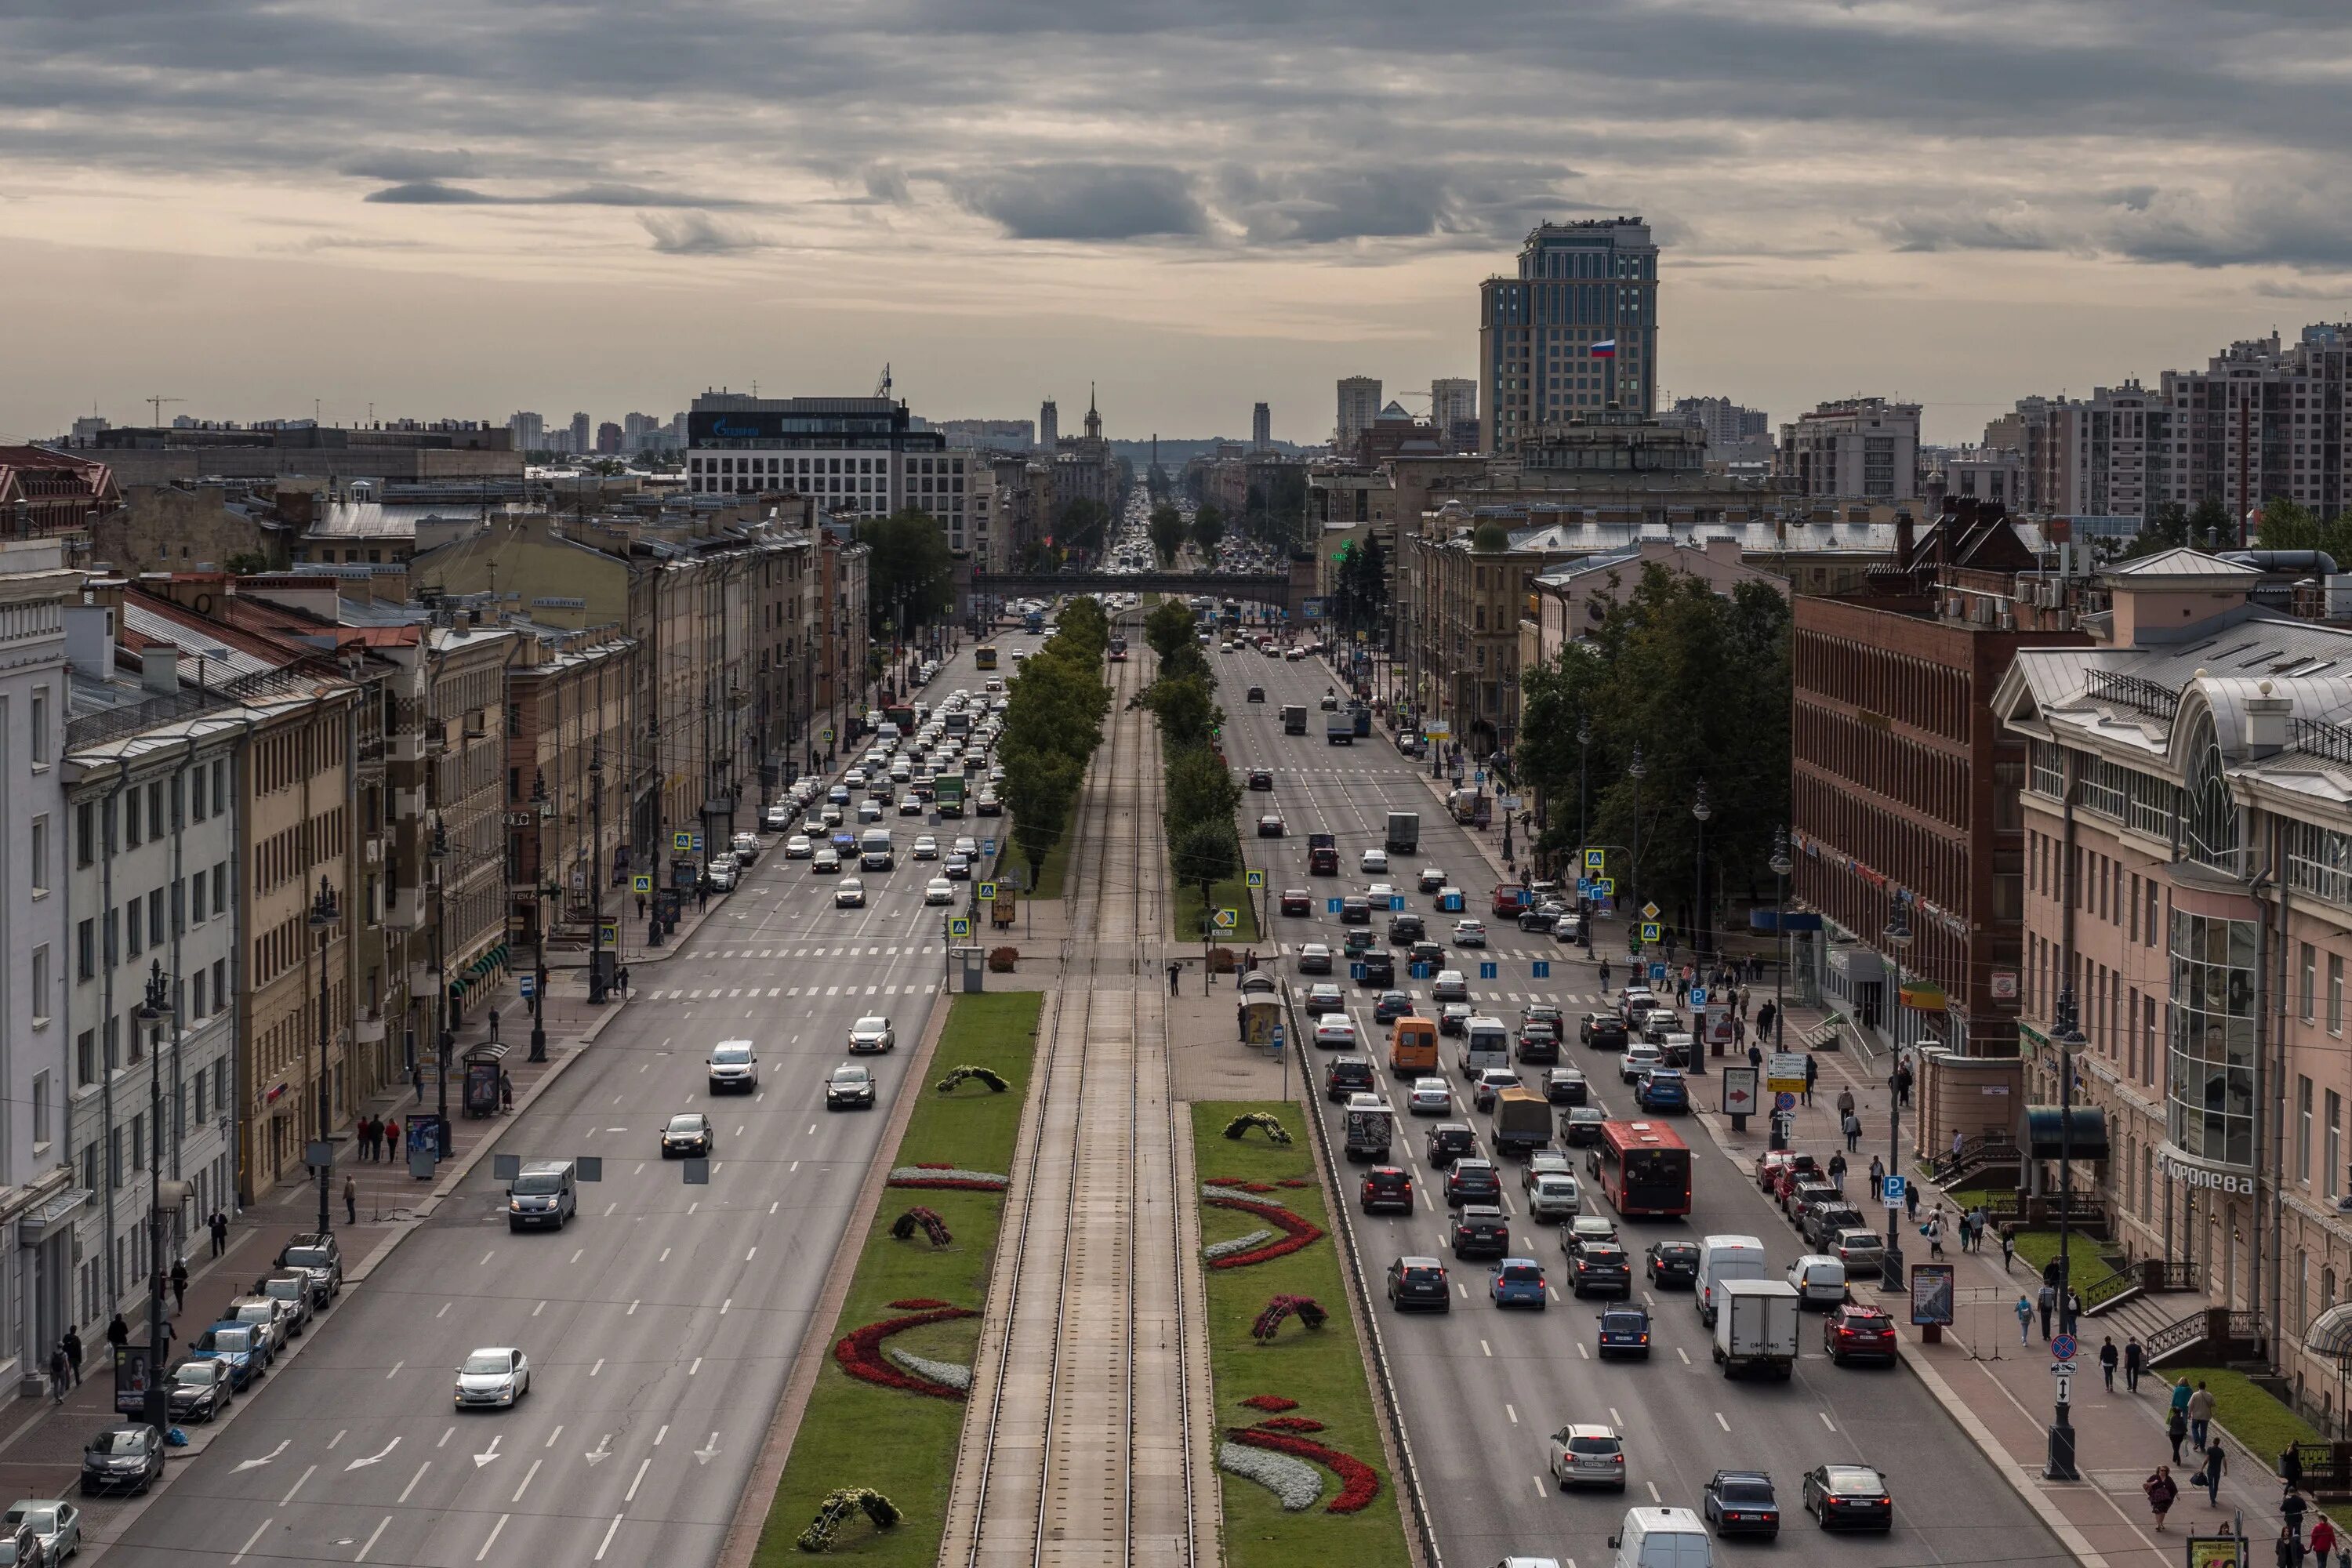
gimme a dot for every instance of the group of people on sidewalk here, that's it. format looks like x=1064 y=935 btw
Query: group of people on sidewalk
x=2190 y=1415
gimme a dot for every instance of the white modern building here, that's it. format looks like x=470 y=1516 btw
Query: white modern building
x=1863 y=448
x=861 y=455
x=1359 y=404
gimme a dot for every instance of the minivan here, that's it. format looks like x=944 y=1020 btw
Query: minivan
x=1722 y=1258
x=1412 y=1046
x=1820 y=1280
x=1485 y=1044
x=874 y=851
x=1662 y=1538
x=542 y=1193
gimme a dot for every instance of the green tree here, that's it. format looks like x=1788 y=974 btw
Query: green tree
x=2167 y=529
x=1167 y=531
x=1082 y=621
x=911 y=564
x=1079 y=522
x=1200 y=789
x=1203 y=854
x=1169 y=629
x=1208 y=527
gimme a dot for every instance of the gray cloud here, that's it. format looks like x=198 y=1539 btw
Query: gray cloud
x=412 y=163
x=1086 y=201
x=437 y=193
x=699 y=234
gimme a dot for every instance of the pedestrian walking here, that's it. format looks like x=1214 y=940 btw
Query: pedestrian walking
x=1958 y=1143
x=2176 y=1427
x=2108 y=1357
x=1846 y=1101
x=219 y=1227
x=2134 y=1362
x=1837 y=1172
x=2007 y=1251
x=2201 y=1415
x=1911 y=1201
x=1853 y=1126
x=392 y=1135
x=2291 y=1467
x=2161 y=1489
x=351 y=1201
x=2070 y=1311
x=506 y=1091
x=2024 y=1318
x=1175 y=968
x=72 y=1343
x=1966 y=1226
x=2323 y=1540
x=2047 y=1301
x=1902 y=1083
x=2291 y=1508
x=2211 y=1472
x=1764 y=1020
x=118 y=1332
x=1812 y=1072
x=2288 y=1553
x=60 y=1375
x=1756 y=1057
x=179 y=1284
x=1935 y=1230
x=1878 y=1173
x=1604 y=975
x=1738 y=1031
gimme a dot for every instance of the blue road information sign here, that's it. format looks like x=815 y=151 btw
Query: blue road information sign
x=681 y=842
x=1396 y=901
x=1330 y=905
x=988 y=892
x=1658 y=972
x=1698 y=996
x=1890 y=1192
x=988 y=846
x=1356 y=972
x=530 y=984
x=1253 y=879
x=1596 y=860
x=1543 y=969
x=1784 y=1100
x=959 y=926
x=1418 y=971
x=1277 y=1038
x=2062 y=1348
x=1650 y=933
x=1486 y=972
x=642 y=882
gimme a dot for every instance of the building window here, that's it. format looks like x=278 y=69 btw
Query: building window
x=2310 y=980
x=85 y=1058
x=40 y=1108
x=2331 y=1171
x=86 y=950
x=2302 y=1131
x=40 y=856
x=2210 y=1083
x=41 y=727
x=41 y=987
x=2334 y=993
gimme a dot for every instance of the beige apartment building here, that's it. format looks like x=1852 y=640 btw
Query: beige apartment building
x=2188 y=809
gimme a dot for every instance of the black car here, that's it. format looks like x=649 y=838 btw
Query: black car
x=1418 y=1284
x=1540 y=916
x=1599 y=1266
x=1481 y=1231
x=127 y=1457
x=1545 y=1012
x=1344 y=1076
x=687 y=1132
x=1580 y=1127
x=1624 y=1331
x=1380 y=968
x=1356 y=944
x=1566 y=1086
x=199 y=1389
x=1449 y=1141
x=1848 y=1497
x=1539 y=1043
x=319 y=1256
x=1740 y=1502
x=1261 y=778
x=1473 y=1181
x=1387 y=1189
x=1314 y=958
x=1257 y=694
x=1390 y=1005
x=1821 y=1222
x=1672 y=1263
x=1430 y=952
x=1454 y=1018
x=1603 y=1032
x=1405 y=929
x=1355 y=911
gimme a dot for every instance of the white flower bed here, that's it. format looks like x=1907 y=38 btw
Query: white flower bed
x=1294 y=1482
x=1235 y=1195
x=954 y=1374
x=1239 y=1244
x=922 y=1175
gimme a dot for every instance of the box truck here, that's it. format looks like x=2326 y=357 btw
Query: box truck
x=1755 y=1327
x=1405 y=832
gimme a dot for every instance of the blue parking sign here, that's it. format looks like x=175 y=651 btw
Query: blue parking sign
x=1891 y=1191
x=1486 y=972
x=1543 y=968
x=1330 y=905
x=1698 y=996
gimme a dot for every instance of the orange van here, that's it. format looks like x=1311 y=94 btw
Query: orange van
x=1412 y=1046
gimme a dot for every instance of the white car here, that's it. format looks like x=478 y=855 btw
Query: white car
x=799 y=846
x=926 y=846
x=721 y=873
x=1374 y=860
x=1588 y=1455
x=56 y=1522
x=776 y=818
x=1334 y=1031
x=872 y=1033
x=869 y=810
x=493 y=1378
x=1429 y=1097
x=910 y=805
x=855 y=778
x=968 y=847
x=938 y=891
x=1469 y=933
x=1449 y=987
x=1641 y=1056
x=746 y=847
x=732 y=1065
x=826 y=858
x=849 y=893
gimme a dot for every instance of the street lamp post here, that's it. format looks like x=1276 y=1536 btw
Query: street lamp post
x=596 y=894
x=661 y=849
x=166 y=1198
x=1636 y=770
x=544 y=890
x=324 y=914
x=1700 y=812
x=1897 y=937
x=443 y=1038
x=1782 y=867
x=2070 y=1040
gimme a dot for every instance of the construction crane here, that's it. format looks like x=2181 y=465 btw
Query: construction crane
x=157 y=404
x=882 y=387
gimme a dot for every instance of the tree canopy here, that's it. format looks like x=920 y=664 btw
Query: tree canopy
x=1167 y=531
x=1208 y=527
x=1052 y=723
x=910 y=558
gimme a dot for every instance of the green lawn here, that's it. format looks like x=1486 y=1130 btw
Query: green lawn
x=859 y=1434
x=1320 y=1369
x=2088 y=1258
x=1230 y=894
x=2254 y=1418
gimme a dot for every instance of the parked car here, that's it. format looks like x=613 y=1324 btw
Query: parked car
x=200 y=1389
x=125 y=1457
x=55 y=1524
x=1859 y=1331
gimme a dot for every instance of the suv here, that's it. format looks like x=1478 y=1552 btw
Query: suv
x=291 y=1289
x=1588 y=1455
x=1451 y=1140
x=1603 y=1032
x=1405 y=929
x=1344 y=1076
x=1481 y=1231
x=1663 y=1089
x=1539 y=1042
x=1597 y=1266
x=1380 y=968
x=1473 y=1181
x=1418 y=1283
x=1824 y=1221
x=318 y=1256
x=1386 y=1189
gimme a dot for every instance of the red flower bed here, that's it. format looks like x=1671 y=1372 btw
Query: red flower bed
x=1295 y=1232
x=1269 y=1322
x=920 y=1304
x=1359 y=1482
x=1240 y=1184
x=933 y=1165
x=1290 y=1424
x=1256 y=1401
x=1294 y=1182
x=859 y=1352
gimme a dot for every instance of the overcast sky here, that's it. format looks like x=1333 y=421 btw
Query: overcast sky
x=446 y=209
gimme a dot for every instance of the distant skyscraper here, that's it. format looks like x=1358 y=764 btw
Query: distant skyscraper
x=529 y=432
x=1261 y=427
x=1452 y=397
x=608 y=439
x=1726 y=422
x=1575 y=328
x=583 y=437
x=1359 y=404
x=1049 y=425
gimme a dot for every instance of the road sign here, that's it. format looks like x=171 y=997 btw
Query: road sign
x=1277 y=1038
x=960 y=928
x=1418 y=971
x=988 y=892
x=988 y=846
x=1228 y=919
x=1585 y=886
x=1604 y=886
x=1252 y=879
x=1486 y=972
x=1542 y=969
x=1698 y=996
x=2066 y=1381
x=698 y=843
x=1596 y=860
x=825 y=734
x=1650 y=911
x=1658 y=972
x=1784 y=1101
x=1785 y=1069
x=1396 y=900
x=1356 y=971
x=2062 y=1349
x=681 y=842
x=1331 y=906
x=530 y=984
x=1650 y=933
x=1890 y=1192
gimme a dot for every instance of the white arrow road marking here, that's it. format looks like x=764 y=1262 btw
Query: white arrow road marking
x=374 y=1458
x=481 y=1459
x=603 y=1450
x=705 y=1455
x=251 y=1464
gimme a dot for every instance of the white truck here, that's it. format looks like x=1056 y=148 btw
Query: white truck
x=1755 y=1327
x=1722 y=1258
x=1371 y=1124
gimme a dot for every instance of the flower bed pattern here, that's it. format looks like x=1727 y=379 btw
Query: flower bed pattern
x=1264 y=1121
x=858 y=1353
x=949 y=1373
x=835 y=1509
x=903 y=1228
x=994 y=1081
x=1295 y=1483
x=919 y=1303
x=1269 y=1322
x=1248 y=1242
x=1289 y=1424
x=1256 y=1401
x=1295 y=1232
x=948 y=1177
x=1359 y=1482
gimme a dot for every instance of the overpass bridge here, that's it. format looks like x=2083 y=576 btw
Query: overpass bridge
x=1288 y=591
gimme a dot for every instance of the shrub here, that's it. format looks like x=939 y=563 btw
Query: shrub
x=1308 y=1310
x=1001 y=959
x=835 y=1509
x=956 y=1077
x=1264 y=1120
x=931 y=1225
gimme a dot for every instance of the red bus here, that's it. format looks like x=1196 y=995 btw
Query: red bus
x=1642 y=1168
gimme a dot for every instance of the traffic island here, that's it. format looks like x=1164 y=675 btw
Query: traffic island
x=888 y=1407
x=1301 y=1469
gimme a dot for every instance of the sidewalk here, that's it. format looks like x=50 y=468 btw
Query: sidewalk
x=1999 y=1392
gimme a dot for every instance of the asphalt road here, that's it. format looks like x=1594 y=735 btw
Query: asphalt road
x=1480 y=1389
x=660 y=1324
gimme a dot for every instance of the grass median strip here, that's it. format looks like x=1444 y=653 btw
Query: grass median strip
x=900 y=1442
x=1319 y=1369
x=1230 y=894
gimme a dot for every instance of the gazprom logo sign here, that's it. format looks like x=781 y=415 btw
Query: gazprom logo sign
x=721 y=427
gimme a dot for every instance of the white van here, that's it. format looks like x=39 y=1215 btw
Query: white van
x=1720 y=1259
x=1662 y=1538
x=1819 y=1279
x=1485 y=1044
x=875 y=852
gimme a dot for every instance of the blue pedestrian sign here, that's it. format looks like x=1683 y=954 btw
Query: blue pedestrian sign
x=1649 y=930
x=1698 y=996
x=1331 y=906
x=1486 y=972
x=1543 y=969
x=1890 y=1192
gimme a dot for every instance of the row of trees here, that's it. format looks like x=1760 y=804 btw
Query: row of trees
x=2285 y=525
x=1698 y=685
x=1052 y=723
x=1168 y=531
x=1203 y=845
x=1359 y=588
x=911 y=567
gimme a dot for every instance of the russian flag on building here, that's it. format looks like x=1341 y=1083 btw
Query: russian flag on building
x=1605 y=348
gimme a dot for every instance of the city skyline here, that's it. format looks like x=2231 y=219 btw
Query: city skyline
x=2119 y=199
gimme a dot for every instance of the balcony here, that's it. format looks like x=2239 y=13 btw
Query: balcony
x=367 y=1030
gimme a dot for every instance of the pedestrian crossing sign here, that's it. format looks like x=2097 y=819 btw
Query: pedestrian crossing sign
x=1649 y=930
x=1253 y=879
x=1486 y=972
x=1543 y=969
x=988 y=892
x=959 y=927
x=682 y=842
x=1604 y=886
x=1596 y=860
x=642 y=882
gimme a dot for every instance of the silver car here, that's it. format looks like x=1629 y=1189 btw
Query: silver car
x=57 y=1524
x=872 y=1034
x=732 y=1065
x=495 y=1378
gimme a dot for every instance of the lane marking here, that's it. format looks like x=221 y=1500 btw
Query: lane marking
x=370 y=1542
x=493 y=1541
x=551 y=1437
x=1684 y=1354
x=337 y=1438
x=695 y=1368
x=1826 y=1421
x=659 y=1435
x=395 y=1371
x=535 y=1311
x=1540 y=1488
x=597 y=1368
x=412 y=1482
x=1653 y=1490
x=297 y=1486
x=526 y=1480
x=443 y=1443
x=643 y=1466
x=249 y=1539
x=607 y=1542
x=1512 y=1413
x=1721 y=1422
